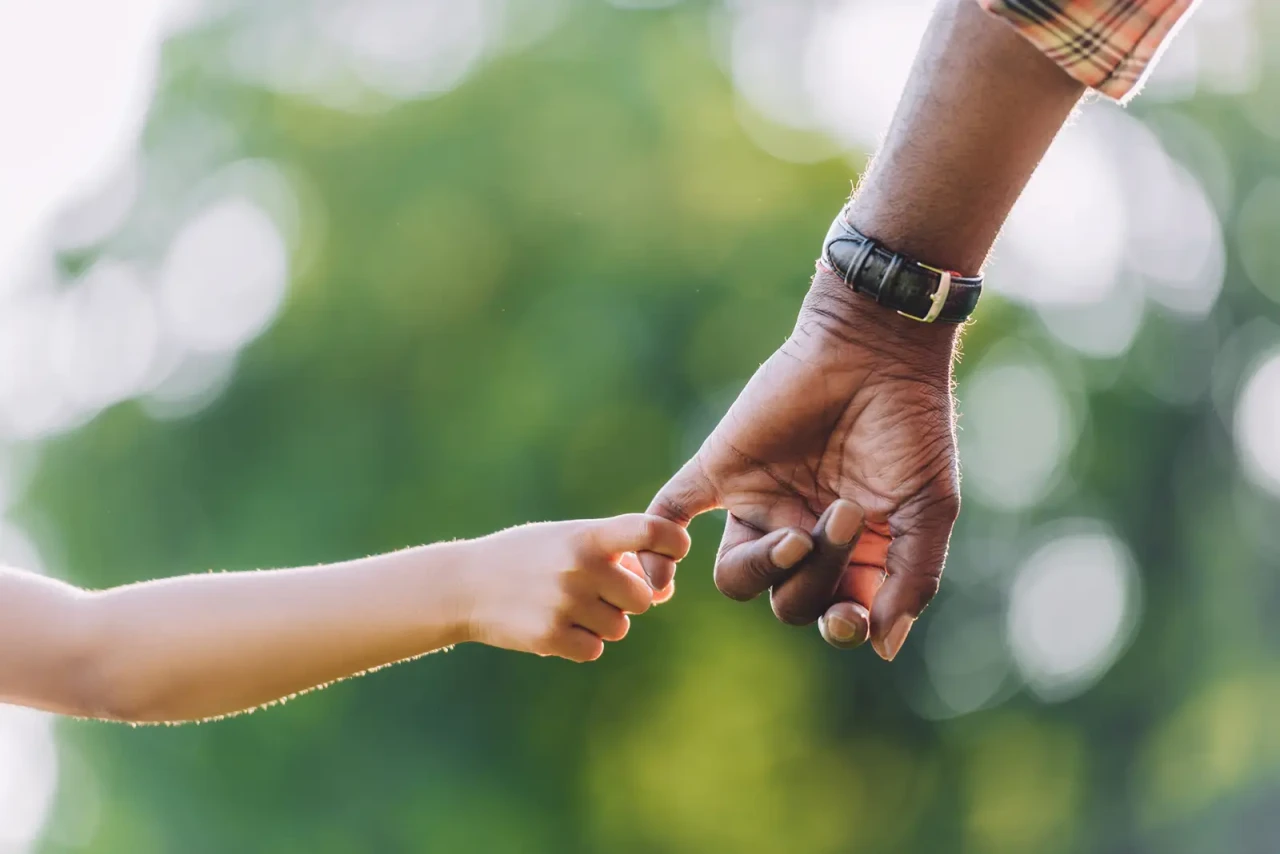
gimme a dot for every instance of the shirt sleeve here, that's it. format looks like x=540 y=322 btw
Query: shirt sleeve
x=1108 y=45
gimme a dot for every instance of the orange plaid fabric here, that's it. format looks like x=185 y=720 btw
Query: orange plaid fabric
x=1105 y=44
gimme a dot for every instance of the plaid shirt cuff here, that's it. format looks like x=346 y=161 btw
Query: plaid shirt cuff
x=1108 y=45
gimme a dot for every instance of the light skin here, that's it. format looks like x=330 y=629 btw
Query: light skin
x=203 y=646
x=855 y=408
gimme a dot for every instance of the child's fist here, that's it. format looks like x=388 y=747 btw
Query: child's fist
x=559 y=588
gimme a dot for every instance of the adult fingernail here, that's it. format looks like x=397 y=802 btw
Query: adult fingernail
x=841 y=631
x=897 y=637
x=844 y=522
x=788 y=552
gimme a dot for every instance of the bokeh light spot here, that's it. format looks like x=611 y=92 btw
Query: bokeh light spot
x=1256 y=233
x=104 y=336
x=1257 y=425
x=966 y=658
x=1015 y=431
x=1065 y=238
x=1072 y=609
x=224 y=278
x=28 y=777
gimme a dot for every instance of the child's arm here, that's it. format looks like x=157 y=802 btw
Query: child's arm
x=201 y=646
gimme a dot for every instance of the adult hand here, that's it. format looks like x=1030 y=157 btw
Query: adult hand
x=856 y=405
x=851 y=416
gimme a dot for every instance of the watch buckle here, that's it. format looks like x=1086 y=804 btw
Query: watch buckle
x=939 y=298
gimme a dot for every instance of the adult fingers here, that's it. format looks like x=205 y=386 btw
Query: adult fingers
x=806 y=594
x=631 y=564
x=635 y=531
x=688 y=494
x=750 y=562
x=861 y=583
x=845 y=625
x=914 y=567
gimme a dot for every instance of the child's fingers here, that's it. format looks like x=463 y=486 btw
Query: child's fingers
x=603 y=620
x=577 y=644
x=631 y=564
x=636 y=532
x=624 y=590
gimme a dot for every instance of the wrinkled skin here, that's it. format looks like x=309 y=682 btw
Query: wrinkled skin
x=855 y=405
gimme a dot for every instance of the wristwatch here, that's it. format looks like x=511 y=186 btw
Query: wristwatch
x=911 y=288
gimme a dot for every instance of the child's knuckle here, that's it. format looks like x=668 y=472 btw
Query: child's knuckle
x=568 y=579
x=565 y=603
x=582 y=539
x=551 y=636
x=685 y=541
x=651 y=529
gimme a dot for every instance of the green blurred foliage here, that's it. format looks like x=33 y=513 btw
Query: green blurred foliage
x=526 y=300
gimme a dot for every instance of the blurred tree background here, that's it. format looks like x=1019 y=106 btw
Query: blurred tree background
x=394 y=272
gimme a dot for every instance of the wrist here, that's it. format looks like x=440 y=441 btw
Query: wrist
x=856 y=321
x=446 y=581
x=940 y=238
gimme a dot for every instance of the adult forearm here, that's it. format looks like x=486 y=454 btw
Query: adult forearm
x=979 y=110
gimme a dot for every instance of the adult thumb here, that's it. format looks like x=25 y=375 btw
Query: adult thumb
x=687 y=494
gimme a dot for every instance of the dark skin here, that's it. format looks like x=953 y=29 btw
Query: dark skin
x=850 y=423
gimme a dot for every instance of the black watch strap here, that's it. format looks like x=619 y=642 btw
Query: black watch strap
x=895 y=281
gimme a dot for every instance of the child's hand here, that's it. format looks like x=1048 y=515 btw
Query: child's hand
x=558 y=588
